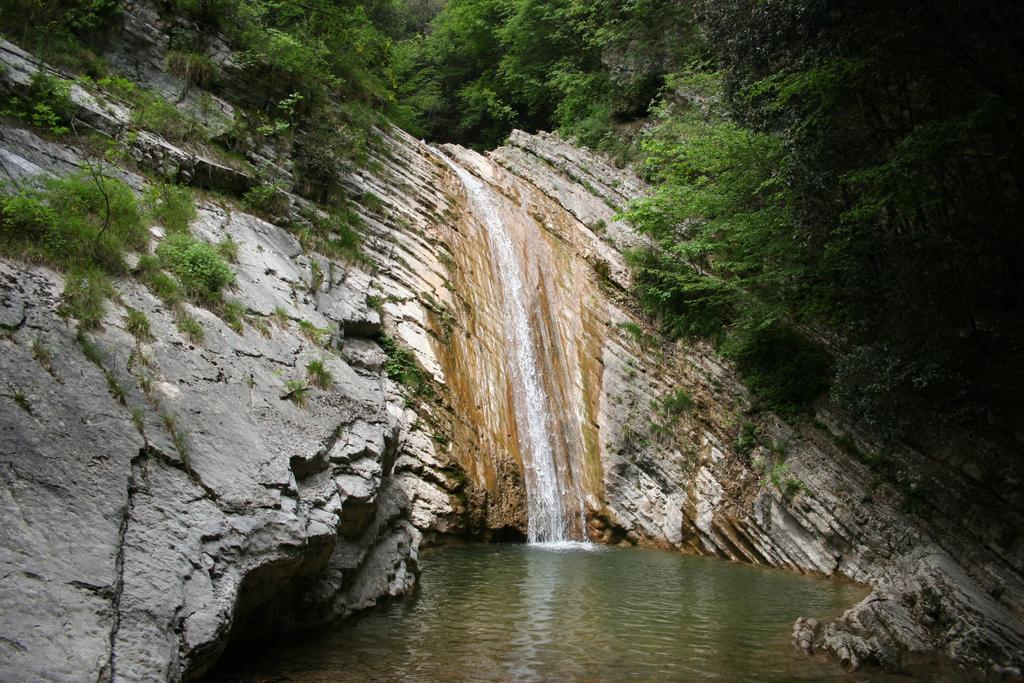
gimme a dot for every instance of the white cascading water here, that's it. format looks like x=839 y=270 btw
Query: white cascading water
x=544 y=489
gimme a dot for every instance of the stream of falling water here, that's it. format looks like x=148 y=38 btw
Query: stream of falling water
x=546 y=492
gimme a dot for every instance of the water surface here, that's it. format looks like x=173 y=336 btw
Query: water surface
x=571 y=613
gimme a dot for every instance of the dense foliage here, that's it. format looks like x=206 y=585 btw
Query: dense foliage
x=487 y=66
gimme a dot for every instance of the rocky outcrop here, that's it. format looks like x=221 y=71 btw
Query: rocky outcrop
x=162 y=496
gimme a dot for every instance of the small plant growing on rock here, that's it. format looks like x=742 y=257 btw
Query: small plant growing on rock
x=748 y=438
x=190 y=327
x=266 y=200
x=193 y=67
x=115 y=387
x=401 y=366
x=85 y=293
x=318 y=375
x=280 y=316
x=177 y=435
x=316 y=335
x=20 y=399
x=233 y=313
x=297 y=392
x=137 y=324
x=138 y=420
x=787 y=485
x=42 y=355
x=228 y=249
x=260 y=324
x=316 y=275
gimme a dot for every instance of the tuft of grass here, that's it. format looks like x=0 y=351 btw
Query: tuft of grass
x=261 y=325
x=178 y=438
x=138 y=419
x=148 y=390
x=190 y=327
x=195 y=68
x=173 y=206
x=89 y=350
x=280 y=316
x=114 y=386
x=318 y=375
x=228 y=249
x=316 y=275
x=633 y=331
x=316 y=335
x=674 y=404
x=297 y=392
x=233 y=313
x=334 y=235
x=139 y=357
x=21 y=400
x=84 y=297
x=42 y=355
x=137 y=324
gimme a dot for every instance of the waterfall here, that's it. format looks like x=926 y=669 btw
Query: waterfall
x=545 y=490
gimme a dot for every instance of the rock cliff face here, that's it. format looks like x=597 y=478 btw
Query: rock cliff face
x=161 y=498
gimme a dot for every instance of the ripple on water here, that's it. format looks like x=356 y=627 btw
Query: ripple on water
x=570 y=611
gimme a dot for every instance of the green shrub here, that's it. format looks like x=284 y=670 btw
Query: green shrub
x=190 y=327
x=46 y=104
x=787 y=485
x=155 y=114
x=318 y=375
x=195 y=68
x=199 y=268
x=172 y=206
x=780 y=366
x=266 y=200
x=673 y=404
x=137 y=324
x=401 y=366
x=685 y=302
x=85 y=292
x=80 y=220
x=748 y=438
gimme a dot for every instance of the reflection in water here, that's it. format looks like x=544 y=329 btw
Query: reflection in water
x=572 y=612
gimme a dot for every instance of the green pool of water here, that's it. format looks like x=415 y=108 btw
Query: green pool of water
x=534 y=613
